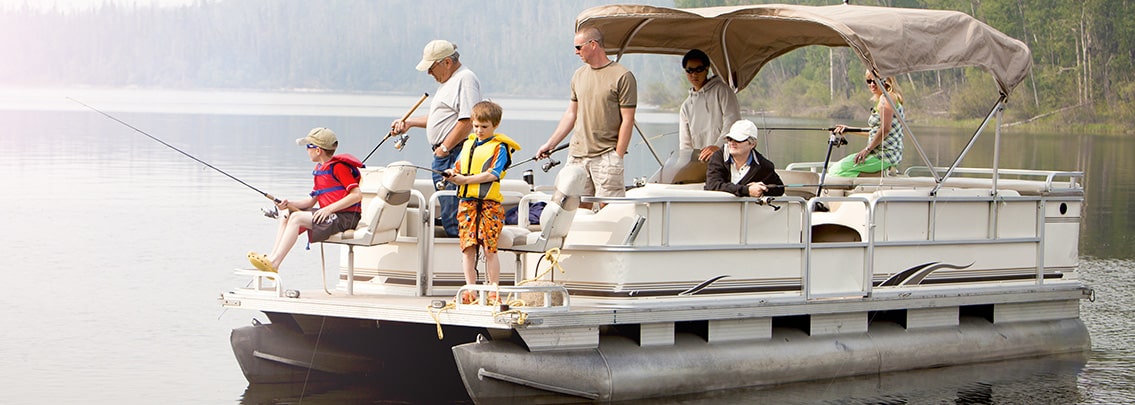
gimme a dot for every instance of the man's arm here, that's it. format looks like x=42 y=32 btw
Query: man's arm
x=626 y=129
x=717 y=177
x=567 y=122
x=353 y=197
x=457 y=135
x=400 y=127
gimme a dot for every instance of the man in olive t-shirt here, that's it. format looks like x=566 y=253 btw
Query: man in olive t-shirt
x=601 y=113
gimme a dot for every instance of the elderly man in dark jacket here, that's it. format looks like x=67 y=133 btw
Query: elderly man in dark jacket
x=739 y=169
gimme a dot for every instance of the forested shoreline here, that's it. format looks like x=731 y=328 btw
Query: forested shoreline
x=1083 y=51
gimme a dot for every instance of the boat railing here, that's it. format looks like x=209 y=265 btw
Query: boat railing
x=665 y=220
x=1070 y=180
x=829 y=264
x=532 y=297
x=673 y=220
x=263 y=282
x=841 y=260
x=428 y=253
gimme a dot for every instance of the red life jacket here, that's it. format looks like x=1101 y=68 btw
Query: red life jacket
x=328 y=189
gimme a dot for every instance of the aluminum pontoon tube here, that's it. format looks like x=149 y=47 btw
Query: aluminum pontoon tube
x=619 y=369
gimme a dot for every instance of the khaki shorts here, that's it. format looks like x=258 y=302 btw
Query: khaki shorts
x=343 y=221
x=604 y=174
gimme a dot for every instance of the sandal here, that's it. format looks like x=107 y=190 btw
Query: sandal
x=467 y=297
x=261 y=262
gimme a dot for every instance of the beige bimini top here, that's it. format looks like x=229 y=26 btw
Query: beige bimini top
x=741 y=39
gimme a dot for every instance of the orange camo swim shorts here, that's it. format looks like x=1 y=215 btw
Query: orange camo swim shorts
x=483 y=225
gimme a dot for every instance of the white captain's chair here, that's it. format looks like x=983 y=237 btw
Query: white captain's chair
x=381 y=217
x=555 y=220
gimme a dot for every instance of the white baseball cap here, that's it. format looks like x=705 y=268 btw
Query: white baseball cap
x=743 y=130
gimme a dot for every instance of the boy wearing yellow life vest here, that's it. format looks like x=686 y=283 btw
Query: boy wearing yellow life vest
x=477 y=173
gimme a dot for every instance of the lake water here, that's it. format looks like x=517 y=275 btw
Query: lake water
x=115 y=248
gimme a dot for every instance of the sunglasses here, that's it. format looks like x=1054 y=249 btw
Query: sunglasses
x=870 y=81
x=311 y=146
x=580 y=46
x=697 y=69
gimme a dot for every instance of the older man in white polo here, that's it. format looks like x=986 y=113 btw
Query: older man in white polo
x=447 y=124
x=739 y=169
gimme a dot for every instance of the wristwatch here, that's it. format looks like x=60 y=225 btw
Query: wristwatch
x=443 y=148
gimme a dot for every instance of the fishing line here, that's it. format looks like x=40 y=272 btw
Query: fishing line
x=391 y=133
x=269 y=196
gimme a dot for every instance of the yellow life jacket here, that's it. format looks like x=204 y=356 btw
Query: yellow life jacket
x=476 y=159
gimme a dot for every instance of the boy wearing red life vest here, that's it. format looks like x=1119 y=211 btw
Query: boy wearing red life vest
x=336 y=193
x=477 y=173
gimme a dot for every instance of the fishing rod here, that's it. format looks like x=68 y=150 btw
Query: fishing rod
x=547 y=166
x=846 y=186
x=391 y=133
x=269 y=196
x=440 y=183
x=827 y=129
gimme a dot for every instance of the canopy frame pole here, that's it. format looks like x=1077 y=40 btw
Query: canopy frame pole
x=649 y=146
x=634 y=32
x=995 y=111
x=906 y=129
x=997 y=145
x=728 y=63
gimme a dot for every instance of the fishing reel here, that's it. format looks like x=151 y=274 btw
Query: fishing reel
x=529 y=179
x=550 y=164
x=440 y=185
x=837 y=140
x=273 y=212
x=400 y=141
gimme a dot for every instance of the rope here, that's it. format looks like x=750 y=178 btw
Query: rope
x=512 y=301
x=553 y=256
x=449 y=306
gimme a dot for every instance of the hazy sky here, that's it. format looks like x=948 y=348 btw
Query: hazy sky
x=86 y=4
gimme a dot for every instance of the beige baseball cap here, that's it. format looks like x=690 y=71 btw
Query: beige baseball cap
x=322 y=137
x=436 y=50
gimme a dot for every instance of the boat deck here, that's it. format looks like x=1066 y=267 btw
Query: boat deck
x=591 y=311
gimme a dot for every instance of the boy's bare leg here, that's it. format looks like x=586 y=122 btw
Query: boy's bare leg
x=287 y=238
x=280 y=232
x=469 y=263
x=492 y=268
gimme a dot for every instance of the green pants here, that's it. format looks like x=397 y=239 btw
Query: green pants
x=847 y=167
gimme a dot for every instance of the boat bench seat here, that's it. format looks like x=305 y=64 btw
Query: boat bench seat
x=799 y=177
x=512 y=190
x=382 y=216
x=384 y=213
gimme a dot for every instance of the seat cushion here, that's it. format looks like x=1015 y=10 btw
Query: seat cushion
x=511 y=236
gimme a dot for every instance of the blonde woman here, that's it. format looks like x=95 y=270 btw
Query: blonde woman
x=884 y=141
